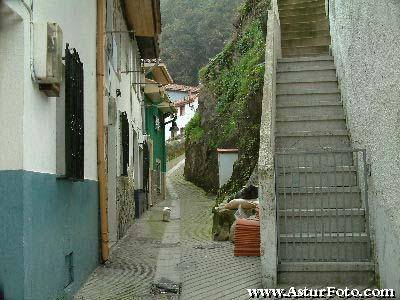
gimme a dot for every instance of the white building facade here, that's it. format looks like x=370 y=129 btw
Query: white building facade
x=50 y=191
x=186 y=102
x=50 y=224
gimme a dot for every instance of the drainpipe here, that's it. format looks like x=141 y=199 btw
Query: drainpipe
x=100 y=41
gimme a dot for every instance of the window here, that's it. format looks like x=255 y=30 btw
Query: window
x=113 y=39
x=74 y=116
x=124 y=143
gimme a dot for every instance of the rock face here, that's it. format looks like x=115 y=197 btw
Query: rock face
x=229 y=110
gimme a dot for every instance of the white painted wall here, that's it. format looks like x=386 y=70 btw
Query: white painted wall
x=130 y=100
x=11 y=90
x=366 y=45
x=78 y=22
x=32 y=117
x=126 y=80
x=225 y=166
x=182 y=121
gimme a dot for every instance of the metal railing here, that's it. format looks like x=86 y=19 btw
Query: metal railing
x=322 y=206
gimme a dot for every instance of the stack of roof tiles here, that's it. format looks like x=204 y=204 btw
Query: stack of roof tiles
x=247 y=238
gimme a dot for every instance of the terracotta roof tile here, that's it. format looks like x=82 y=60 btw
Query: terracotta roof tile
x=183 y=88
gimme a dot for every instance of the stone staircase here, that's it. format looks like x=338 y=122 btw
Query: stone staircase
x=323 y=228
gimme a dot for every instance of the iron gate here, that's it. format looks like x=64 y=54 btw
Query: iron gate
x=322 y=206
x=74 y=115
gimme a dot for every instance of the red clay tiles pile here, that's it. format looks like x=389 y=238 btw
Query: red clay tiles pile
x=247 y=238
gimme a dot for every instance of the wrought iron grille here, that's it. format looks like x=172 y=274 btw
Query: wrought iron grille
x=322 y=206
x=124 y=143
x=74 y=115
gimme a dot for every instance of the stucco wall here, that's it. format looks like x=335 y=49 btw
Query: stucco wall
x=43 y=218
x=11 y=90
x=366 y=45
x=11 y=231
x=226 y=161
x=123 y=77
x=177 y=95
x=182 y=121
x=46 y=219
x=39 y=111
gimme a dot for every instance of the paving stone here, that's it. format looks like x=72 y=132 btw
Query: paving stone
x=183 y=246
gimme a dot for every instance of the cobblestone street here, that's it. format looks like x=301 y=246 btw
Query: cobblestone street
x=204 y=269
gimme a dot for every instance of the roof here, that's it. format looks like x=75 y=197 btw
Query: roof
x=158 y=70
x=184 y=101
x=182 y=88
x=166 y=106
x=144 y=18
x=154 y=91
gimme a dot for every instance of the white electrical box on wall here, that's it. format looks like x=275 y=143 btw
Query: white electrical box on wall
x=47 y=57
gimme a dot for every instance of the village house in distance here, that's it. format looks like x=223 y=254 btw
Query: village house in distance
x=186 y=100
x=81 y=153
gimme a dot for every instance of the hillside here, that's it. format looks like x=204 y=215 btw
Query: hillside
x=194 y=32
x=230 y=104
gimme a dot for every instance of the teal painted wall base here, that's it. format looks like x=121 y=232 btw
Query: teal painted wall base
x=42 y=221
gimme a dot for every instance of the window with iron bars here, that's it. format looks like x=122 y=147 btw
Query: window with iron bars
x=74 y=116
x=124 y=143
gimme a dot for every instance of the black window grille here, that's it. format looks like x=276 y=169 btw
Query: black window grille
x=124 y=143
x=74 y=116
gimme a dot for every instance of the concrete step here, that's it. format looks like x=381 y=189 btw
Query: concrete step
x=293 y=221
x=297 y=66
x=314 y=125
x=325 y=87
x=304 y=51
x=310 y=17
x=312 y=142
x=309 y=100
x=329 y=116
x=323 y=200
x=324 y=247
x=304 y=33
x=292 y=160
x=338 y=179
x=306 y=76
x=306 y=41
x=289 y=25
x=312 y=133
x=309 y=118
x=326 y=273
x=305 y=59
x=301 y=9
x=300 y=3
x=325 y=161
x=319 y=190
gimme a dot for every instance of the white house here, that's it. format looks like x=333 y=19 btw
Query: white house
x=185 y=100
x=71 y=137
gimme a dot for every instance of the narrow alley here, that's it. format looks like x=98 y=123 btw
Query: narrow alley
x=205 y=270
x=199 y=149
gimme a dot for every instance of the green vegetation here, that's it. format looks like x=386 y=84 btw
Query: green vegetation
x=235 y=82
x=235 y=78
x=193 y=130
x=193 y=32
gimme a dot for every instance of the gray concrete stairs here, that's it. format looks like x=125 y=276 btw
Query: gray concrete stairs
x=322 y=227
